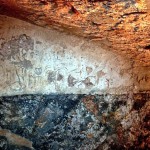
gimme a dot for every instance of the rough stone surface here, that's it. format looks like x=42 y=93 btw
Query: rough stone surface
x=120 y=25
x=100 y=99
x=75 y=122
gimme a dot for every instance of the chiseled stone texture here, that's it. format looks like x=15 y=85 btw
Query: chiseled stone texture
x=37 y=60
x=75 y=122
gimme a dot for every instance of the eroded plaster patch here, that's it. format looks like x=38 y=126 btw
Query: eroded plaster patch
x=37 y=60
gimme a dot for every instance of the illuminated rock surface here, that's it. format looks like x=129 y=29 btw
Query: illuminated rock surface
x=119 y=25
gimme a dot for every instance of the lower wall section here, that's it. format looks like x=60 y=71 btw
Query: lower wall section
x=74 y=122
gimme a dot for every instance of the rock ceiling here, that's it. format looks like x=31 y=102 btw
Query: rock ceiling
x=119 y=25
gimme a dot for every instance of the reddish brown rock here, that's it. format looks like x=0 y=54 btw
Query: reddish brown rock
x=120 y=26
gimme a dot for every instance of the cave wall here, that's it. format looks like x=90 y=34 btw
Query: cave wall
x=59 y=91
